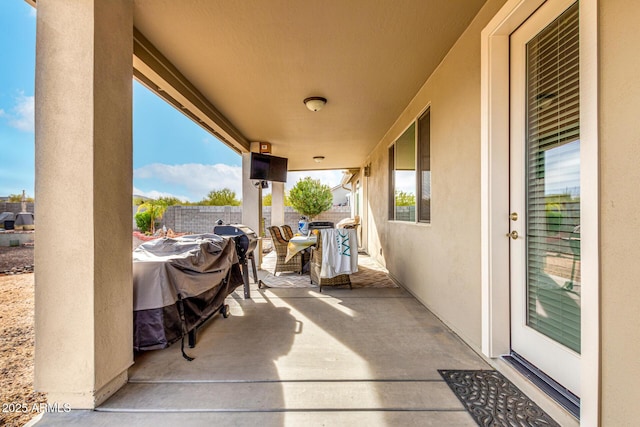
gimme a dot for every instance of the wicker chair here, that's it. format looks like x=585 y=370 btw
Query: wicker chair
x=316 y=267
x=287 y=232
x=280 y=245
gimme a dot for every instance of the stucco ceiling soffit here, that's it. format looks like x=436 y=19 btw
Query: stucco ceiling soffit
x=157 y=73
x=257 y=60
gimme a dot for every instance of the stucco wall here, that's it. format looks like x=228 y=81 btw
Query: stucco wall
x=440 y=262
x=619 y=207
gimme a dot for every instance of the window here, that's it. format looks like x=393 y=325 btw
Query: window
x=403 y=189
x=404 y=183
x=424 y=166
x=392 y=184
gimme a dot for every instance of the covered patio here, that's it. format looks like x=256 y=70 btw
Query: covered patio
x=435 y=91
x=293 y=355
x=299 y=357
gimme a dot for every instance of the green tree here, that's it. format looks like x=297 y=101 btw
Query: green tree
x=170 y=200
x=224 y=197
x=17 y=198
x=268 y=200
x=405 y=199
x=310 y=198
x=149 y=212
x=558 y=212
x=137 y=201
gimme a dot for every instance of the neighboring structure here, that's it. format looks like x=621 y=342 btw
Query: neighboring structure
x=16 y=207
x=439 y=102
x=341 y=196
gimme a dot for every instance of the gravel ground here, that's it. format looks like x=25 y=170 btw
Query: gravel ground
x=19 y=401
x=15 y=257
x=17 y=396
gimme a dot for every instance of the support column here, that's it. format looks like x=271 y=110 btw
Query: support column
x=277 y=203
x=83 y=298
x=251 y=201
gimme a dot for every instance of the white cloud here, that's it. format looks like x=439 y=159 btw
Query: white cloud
x=22 y=113
x=328 y=177
x=406 y=181
x=153 y=194
x=194 y=178
x=193 y=181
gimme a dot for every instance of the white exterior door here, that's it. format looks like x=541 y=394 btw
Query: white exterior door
x=545 y=192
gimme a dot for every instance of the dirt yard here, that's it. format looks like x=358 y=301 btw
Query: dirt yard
x=19 y=401
x=16 y=259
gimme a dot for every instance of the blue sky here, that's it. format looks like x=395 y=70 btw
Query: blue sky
x=172 y=156
x=17 y=62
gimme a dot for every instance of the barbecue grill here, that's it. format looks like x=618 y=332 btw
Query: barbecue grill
x=317 y=225
x=246 y=241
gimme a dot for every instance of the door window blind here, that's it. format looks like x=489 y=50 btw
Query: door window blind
x=553 y=181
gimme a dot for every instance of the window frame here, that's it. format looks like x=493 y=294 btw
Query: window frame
x=419 y=166
x=391 y=151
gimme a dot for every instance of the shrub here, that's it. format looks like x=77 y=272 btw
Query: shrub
x=143 y=221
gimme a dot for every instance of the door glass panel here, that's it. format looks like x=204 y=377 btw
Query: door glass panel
x=553 y=181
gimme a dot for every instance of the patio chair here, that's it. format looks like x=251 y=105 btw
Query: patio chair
x=287 y=232
x=280 y=245
x=316 y=267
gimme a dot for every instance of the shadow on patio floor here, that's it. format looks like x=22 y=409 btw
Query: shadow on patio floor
x=294 y=356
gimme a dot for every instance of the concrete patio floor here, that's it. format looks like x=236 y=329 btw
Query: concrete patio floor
x=297 y=357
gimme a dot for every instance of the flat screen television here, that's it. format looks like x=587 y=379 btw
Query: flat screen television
x=268 y=168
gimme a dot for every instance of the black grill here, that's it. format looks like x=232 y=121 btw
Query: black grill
x=246 y=241
x=317 y=225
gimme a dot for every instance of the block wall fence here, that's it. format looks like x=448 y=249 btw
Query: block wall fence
x=202 y=219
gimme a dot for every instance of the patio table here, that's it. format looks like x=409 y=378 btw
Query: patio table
x=298 y=244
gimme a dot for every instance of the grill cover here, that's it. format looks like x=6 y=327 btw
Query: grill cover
x=203 y=269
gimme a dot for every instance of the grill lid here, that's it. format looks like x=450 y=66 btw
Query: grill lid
x=234 y=230
x=245 y=238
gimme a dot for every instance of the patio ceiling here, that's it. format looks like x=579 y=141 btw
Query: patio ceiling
x=243 y=68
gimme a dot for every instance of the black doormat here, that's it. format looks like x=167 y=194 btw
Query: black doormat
x=492 y=400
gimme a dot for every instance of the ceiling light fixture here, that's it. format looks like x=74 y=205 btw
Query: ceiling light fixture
x=318 y=159
x=315 y=103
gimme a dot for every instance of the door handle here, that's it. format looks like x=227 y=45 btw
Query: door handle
x=513 y=234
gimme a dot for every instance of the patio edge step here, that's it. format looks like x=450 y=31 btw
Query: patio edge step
x=284 y=397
